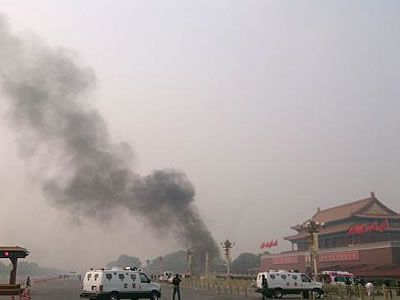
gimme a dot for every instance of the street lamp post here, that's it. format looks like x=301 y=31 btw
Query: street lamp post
x=189 y=256
x=313 y=228
x=207 y=258
x=227 y=246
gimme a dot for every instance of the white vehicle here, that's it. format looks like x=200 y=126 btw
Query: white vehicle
x=287 y=282
x=338 y=277
x=117 y=284
x=166 y=276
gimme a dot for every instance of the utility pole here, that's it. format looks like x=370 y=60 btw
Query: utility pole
x=227 y=248
x=189 y=256
x=207 y=258
x=313 y=228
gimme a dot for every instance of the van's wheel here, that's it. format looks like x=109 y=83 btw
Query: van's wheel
x=318 y=293
x=114 y=296
x=154 y=295
x=278 y=293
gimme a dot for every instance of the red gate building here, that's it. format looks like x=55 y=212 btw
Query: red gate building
x=362 y=237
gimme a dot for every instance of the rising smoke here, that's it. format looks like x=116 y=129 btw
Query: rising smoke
x=81 y=169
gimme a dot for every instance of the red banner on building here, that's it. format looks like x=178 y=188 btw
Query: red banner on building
x=339 y=256
x=285 y=260
x=371 y=227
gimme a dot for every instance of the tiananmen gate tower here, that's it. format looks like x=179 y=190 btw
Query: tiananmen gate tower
x=362 y=237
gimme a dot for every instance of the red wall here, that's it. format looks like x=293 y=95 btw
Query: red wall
x=370 y=257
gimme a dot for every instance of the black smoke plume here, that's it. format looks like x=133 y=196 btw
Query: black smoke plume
x=82 y=170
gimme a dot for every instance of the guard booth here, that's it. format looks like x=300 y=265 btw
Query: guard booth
x=12 y=253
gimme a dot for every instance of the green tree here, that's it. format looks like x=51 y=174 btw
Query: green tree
x=246 y=263
x=175 y=262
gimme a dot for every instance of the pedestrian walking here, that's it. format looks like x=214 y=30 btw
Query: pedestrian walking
x=176 y=281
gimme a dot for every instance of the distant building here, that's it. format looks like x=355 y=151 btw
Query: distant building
x=362 y=237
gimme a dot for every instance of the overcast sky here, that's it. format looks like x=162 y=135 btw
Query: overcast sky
x=272 y=108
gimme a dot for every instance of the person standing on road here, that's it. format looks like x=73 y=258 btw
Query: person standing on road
x=370 y=288
x=28 y=282
x=176 y=281
x=264 y=287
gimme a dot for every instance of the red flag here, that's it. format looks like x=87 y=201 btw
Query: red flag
x=271 y=243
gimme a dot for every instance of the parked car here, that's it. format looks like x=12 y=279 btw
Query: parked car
x=338 y=277
x=114 y=284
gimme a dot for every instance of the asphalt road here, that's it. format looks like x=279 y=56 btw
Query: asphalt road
x=69 y=289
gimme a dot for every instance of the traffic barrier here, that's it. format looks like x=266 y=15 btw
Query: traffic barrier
x=221 y=285
x=359 y=292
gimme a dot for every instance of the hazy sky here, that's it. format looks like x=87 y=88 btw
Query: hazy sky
x=272 y=108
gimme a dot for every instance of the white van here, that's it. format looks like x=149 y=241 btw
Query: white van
x=117 y=284
x=286 y=282
x=338 y=278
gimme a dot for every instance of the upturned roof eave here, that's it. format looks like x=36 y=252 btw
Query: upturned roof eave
x=22 y=251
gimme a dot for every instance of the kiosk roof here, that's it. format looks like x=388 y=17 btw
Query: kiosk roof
x=13 y=251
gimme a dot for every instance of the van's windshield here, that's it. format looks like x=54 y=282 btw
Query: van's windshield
x=144 y=278
x=305 y=278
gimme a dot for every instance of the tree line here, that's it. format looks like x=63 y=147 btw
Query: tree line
x=245 y=263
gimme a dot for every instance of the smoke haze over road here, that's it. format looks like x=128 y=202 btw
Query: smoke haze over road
x=272 y=109
x=82 y=169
